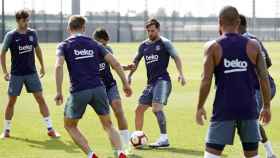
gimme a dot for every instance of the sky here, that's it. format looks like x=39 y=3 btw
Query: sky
x=264 y=8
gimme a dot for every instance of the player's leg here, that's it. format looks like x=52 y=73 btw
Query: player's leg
x=33 y=85
x=100 y=104
x=115 y=102
x=161 y=93
x=73 y=112
x=14 y=90
x=249 y=134
x=145 y=101
x=220 y=133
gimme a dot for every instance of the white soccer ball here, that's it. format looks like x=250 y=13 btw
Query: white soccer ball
x=138 y=139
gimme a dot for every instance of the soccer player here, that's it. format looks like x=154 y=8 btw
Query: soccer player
x=110 y=83
x=82 y=56
x=233 y=60
x=156 y=51
x=243 y=31
x=23 y=44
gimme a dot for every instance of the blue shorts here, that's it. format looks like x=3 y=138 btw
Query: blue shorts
x=156 y=93
x=77 y=102
x=258 y=94
x=223 y=132
x=113 y=94
x=31 y=82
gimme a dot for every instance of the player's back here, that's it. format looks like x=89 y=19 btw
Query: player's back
x=82 y=56
x=235 y=93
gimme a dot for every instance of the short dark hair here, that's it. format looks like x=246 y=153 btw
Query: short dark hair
x=22 y=14
x=76 y=22
x=229 y=15
x=243 y=20
x=152 y=22
x=101 y=33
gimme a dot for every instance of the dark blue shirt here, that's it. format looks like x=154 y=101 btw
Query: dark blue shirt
x=156 y=55
x=235 y=92
x=21 y=46
x=82 y=56
x=105 y=72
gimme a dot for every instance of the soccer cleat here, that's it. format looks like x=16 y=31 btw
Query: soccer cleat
x=53 y=134
x=94 y=156
x=160 y=144
x=5 y=134
x=273 y=156
x=122 y=155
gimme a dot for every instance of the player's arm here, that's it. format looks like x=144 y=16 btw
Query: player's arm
x=178 y=62
x=4 y=49
x=253 y=46
x=135 y=64
x=206 y=81
x=109 y=58
x=267 y=57
x=59 y=76
x=39 y=56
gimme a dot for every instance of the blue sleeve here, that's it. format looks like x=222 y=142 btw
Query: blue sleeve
x=170 y=48
x=138 y=56
x=109 y=49
x=6 y=42
x=60 y=50
x=102 y=50
x=36 y=40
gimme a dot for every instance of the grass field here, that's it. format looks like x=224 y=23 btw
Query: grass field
x=29 y=134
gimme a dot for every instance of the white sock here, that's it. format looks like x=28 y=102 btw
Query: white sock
x=163 y=136
x=124 y=137
x=90 y=154
x=268 y=148
x=257 y=156
x=7 y=125
x=48 y=122
x=209 y=155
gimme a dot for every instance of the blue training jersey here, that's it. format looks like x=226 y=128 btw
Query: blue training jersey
x=22 y=47
x=82 y=56
x=235 y=92
x=105 y=72
x=156 y=55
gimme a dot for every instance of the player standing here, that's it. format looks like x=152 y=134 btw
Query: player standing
x=82 y=56
x=110 y=83
x=23 y=44
x=243 y=31
x=233 y=59
x=156 y=51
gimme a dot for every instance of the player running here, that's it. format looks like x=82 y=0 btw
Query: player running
x=23 y=44
x=82 y=56
x=110 y=83
x=156 y=51
x=243 y=31
x=233 y=60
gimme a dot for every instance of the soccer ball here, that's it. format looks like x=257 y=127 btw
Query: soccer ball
x=138 y=139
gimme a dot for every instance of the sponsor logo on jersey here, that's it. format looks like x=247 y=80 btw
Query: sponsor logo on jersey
x=102 y=66
x=83 y=54
x=151 y=58
x=25 y=49
x=235 y=66
x=31 y=38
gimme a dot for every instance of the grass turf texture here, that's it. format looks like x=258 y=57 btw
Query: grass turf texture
x=186 y=138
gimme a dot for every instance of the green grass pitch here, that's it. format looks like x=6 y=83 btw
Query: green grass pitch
x=187 y=139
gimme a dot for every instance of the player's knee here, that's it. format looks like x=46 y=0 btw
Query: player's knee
x=215 y=148
x=139 y=110
x=250 y=149
x=68 y=125
x=156 y=107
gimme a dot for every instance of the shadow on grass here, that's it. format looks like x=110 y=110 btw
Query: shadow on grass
x=51 y=144
x=183 y=151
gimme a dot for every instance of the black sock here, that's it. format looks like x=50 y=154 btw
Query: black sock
x=161 y=121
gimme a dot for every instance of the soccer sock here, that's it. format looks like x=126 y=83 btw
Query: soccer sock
x=7 y=125
x=161 y=121
x=163 y=136
x=257 y=156
x=268 y=148
x=124 y=137
x=48 y=123
x=209 y=155
x=90 y=154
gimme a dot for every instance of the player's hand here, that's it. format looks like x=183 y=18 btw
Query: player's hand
x=265 y=116
x=127 y=90
x=58 y=99
x=7 y=77
x=182 y=80
x=201 y=116
x=42 y=72
x=131 y=67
